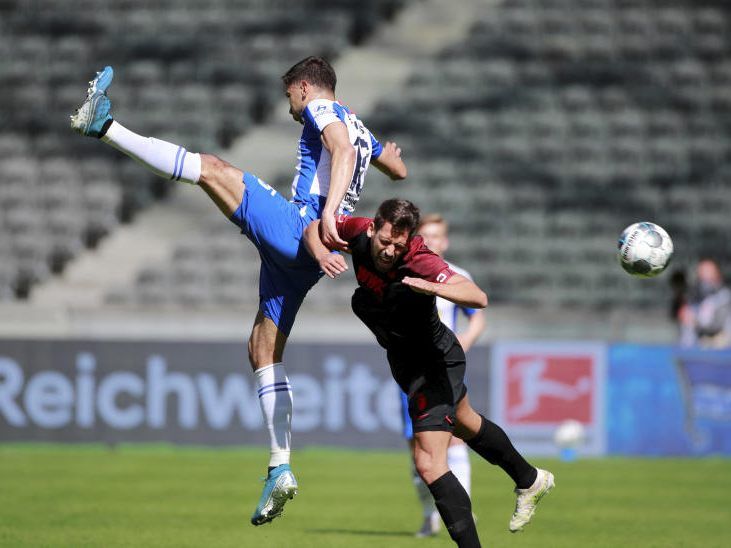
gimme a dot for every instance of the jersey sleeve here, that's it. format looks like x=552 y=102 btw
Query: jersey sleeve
x=376 y=147
x=320 y=113
x=349 y=227
x=467 y=311
x=426 y=264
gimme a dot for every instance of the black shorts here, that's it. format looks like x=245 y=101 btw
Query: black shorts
x=434 y=387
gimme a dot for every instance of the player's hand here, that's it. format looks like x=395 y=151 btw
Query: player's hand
x=392 y=148
x=329 y=234
x=420 y=285
x=332 y=264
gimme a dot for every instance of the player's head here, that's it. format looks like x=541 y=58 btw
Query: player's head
x=391 y=230
x=310 y=78
x=435 y=230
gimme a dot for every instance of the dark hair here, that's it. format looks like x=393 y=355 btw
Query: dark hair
x=402 y=214
x=315 y=70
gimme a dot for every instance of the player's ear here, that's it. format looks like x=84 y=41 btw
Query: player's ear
x=304 y=88
x=371 y=230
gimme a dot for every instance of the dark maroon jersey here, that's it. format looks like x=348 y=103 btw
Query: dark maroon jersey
x=401 y=318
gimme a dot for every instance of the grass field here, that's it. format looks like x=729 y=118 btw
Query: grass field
x=163 y=496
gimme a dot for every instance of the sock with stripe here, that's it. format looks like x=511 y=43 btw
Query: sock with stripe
x=162 y=158
x=275 y=399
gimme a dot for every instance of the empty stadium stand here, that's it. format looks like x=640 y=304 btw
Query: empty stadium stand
x=211 y=75
x=556 y=124
x=541 y=135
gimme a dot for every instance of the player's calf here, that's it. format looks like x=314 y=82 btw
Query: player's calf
x=455 y=508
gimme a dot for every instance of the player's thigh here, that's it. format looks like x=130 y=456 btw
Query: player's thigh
x=272 y=223
x=283 y=287
x=223 y=183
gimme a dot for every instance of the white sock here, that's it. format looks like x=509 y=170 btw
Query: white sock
x=275 y=398
x=458 y=461
x=422 y=491
x=164 y=159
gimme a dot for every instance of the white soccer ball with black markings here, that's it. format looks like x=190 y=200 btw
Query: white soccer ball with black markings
x=645 y=249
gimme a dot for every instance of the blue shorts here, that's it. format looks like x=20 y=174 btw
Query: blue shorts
x=408 y=430
x=275 y=226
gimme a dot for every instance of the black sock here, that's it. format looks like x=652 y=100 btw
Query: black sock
x=493 y=445
x=105 y=127
x=455 y=507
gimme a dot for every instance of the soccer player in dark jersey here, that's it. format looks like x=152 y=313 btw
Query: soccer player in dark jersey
x=398 y=279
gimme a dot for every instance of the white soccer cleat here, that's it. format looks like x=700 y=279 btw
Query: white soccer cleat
x=528 y=499
x=430 y=527
x=279 y=487
x=92 y=118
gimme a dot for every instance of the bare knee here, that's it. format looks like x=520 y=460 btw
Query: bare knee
x=262 y=351
x=212 y=168
x=424 y=464
x=468 y=422
x=430 y=467
x=266 y=343
x=222 y=182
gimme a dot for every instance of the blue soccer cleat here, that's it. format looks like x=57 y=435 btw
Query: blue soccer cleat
x=279 y=487
x=92 y=118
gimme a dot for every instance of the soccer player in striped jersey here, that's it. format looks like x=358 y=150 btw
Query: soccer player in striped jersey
x=335 y=150
x=434 y=230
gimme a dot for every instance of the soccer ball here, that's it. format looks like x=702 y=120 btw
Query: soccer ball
x=570 y=434
x=645 y=249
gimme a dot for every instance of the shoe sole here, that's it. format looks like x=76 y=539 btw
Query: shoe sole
x=82 y=120
x=97 y=87
x=277 y=502
x=550 y=485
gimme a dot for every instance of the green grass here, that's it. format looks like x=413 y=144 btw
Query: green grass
x=162 y=496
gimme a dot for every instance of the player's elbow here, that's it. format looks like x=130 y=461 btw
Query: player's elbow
x=346 y=153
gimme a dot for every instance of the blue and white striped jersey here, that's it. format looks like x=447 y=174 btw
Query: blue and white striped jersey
x=312 y=180
x=448 y=311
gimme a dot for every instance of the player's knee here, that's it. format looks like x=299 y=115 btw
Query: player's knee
x=212 y=169
x=262 y=352
x=427 y=466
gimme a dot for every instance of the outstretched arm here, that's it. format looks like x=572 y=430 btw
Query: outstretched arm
x=458 y=289
x=342 y=164
x=389 y=162
x=332 y=264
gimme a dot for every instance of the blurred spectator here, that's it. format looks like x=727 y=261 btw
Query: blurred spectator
x=705 y=320
x=679 y=288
